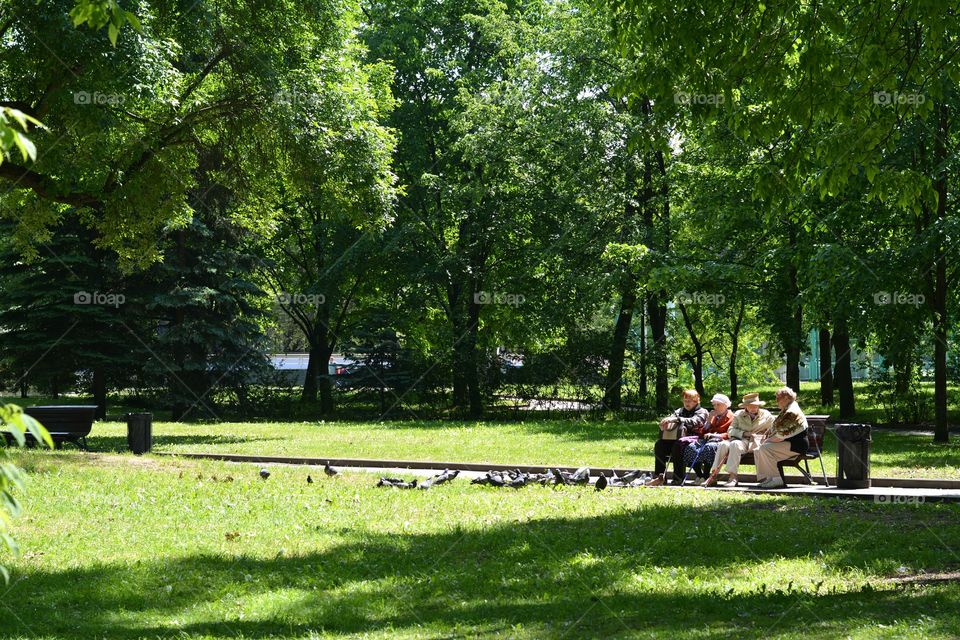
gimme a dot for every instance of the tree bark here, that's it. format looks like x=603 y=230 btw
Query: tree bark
x=941 y=429
x=695 y=360
x=658 y=323
x=612 y=398
x=657 y=306
x=473 y=373
x=100 y=392
x=643 y=348
x=842 y=375
x=902 y=372
x=794 y=341
x=734 y=351
x=317 y=384
x=826 y=368
x=309 y=393
x=458 y=324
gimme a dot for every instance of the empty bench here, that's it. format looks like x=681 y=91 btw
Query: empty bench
x=65 y=423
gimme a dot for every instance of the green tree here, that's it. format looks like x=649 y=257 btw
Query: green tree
x=15 y=423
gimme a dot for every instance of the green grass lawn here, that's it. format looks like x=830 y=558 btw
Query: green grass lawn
x=554 y=442
x=115 y=546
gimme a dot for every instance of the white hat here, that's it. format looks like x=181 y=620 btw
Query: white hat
x=721 y=398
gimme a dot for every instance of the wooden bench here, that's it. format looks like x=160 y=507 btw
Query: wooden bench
x=66 y=423
x=816 y=428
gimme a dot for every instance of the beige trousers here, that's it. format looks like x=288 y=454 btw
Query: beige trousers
x=731 y=450
x=767 y=457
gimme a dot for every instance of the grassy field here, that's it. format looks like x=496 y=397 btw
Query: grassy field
x=115 y=546
x=557 y=442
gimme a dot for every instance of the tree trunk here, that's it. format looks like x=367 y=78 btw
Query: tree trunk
x=473 y=374
x=794 y=342
x=24 y=388
x=100 y=392
x=734 y=351
x=826 y=368
x=902 y=372
x=324 y=383
x=643 y=348
x=842 y=375
x=628 y=300
x=658 y=324
x=458 y=324
x=657 y=306
x=318 y=384
x=941 y=429
x=309 y=393
x=696 y=360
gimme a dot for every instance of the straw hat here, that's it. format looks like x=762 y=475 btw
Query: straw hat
x=752 y=398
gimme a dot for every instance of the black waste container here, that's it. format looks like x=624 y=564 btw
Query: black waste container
x=853 y=456
x=140 y=432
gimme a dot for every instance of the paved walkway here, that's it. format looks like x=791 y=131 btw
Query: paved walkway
x=885 y=490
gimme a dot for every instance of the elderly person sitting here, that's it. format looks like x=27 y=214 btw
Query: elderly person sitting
x=702 y=448
x=687 y=419
x=748 y=424
x=786 y=438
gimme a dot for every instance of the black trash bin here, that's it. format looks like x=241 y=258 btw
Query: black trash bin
x=853 y=456
x=140 y=432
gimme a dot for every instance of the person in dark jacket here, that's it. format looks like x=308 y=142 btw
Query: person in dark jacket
x=688 y=419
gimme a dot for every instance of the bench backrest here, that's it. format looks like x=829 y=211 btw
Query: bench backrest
x=73 y=419
x=817 y=427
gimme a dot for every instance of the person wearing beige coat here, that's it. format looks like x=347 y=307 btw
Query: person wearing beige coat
x=786 y=439
x=749 y=423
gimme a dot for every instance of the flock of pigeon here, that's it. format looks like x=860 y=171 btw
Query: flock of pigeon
x=513 y=478
x=398 y=483
x=516 y=478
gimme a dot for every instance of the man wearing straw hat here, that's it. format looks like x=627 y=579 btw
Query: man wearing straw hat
x=749 y=423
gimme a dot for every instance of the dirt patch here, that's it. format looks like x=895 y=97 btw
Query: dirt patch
x=940 y=577
x=116 y=460
x=51 y=460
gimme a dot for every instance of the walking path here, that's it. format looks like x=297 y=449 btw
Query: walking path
x=884 y=490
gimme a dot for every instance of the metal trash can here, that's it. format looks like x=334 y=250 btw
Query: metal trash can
x=140 y=432
x=853 y=456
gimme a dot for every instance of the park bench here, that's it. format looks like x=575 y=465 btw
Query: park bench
x=66 y=423
x=816 y=428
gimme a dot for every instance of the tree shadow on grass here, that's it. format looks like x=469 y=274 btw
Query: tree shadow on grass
x=118 y=444
x=625 y=573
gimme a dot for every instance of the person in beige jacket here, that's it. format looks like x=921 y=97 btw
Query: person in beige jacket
x=749 y=424
x=786 y=439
